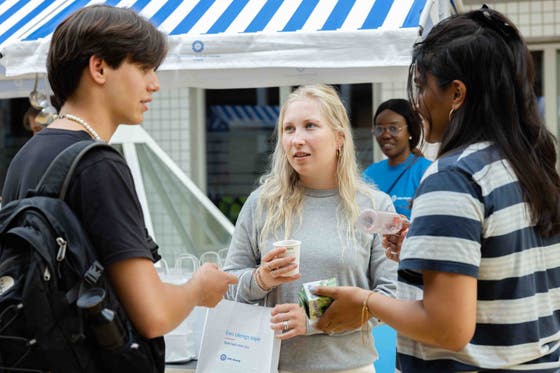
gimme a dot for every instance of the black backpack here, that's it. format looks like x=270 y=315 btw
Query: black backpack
x=58 y=312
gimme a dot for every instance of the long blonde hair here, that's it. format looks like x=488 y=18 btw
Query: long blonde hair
x=282 y=193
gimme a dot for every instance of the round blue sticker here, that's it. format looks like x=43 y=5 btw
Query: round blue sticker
x=197 y=46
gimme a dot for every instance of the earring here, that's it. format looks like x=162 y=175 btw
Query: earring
x=410 y=137
x=451 y=112
x=337 y=153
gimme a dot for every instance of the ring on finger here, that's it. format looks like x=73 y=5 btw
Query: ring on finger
x=285 y=325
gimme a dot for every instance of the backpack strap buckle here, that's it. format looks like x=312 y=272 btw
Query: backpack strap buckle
x=93 y=273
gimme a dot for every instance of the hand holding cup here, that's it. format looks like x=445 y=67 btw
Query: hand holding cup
x=276 y=267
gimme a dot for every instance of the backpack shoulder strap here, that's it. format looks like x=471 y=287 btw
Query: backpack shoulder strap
x=57 y=178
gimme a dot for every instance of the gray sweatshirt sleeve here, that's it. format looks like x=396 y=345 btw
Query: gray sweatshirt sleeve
x=244 y=255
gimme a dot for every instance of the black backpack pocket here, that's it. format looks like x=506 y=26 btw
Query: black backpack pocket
x=138 y=355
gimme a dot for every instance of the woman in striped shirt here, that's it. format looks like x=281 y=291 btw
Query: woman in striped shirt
x=479 y=271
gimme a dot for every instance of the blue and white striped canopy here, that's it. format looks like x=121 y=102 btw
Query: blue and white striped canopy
x=263 y=42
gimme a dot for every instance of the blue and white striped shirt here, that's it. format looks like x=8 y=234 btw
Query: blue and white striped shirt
x=469 y=217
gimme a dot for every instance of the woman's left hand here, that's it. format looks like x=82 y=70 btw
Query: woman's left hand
x=288 y=320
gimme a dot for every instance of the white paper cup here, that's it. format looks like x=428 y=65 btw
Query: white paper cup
x=293 y=248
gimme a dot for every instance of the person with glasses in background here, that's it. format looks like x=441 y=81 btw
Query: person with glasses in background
x=479 y=268
x=398 y=131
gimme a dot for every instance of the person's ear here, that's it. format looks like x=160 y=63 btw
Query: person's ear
x=96 y=69
x=339 y=140
x=459 y=93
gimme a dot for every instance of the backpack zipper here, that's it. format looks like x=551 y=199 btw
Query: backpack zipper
x=47 y=274
x=61 y=249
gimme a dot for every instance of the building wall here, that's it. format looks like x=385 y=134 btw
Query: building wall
x=394 y=89
x=167 y=122
x=534 y=18
x=538 y=21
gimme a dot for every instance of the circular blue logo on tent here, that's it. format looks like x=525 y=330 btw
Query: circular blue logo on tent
x=223 y=357
x=197 y=46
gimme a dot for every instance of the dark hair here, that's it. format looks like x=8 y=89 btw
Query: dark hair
x=413 y=120
x=485 y=51
x=113 y=34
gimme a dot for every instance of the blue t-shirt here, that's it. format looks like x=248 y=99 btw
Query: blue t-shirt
x=383 y=175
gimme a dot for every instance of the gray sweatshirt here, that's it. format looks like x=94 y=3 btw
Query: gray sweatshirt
x=362 y=264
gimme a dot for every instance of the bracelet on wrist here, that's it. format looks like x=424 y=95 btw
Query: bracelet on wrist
x=365 y=317
x=259 y=281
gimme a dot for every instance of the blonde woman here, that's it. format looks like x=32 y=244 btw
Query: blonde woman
x=313 y=193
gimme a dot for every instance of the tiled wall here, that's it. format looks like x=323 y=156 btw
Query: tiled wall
x=394 y=89
x=536 y=19
x=167 y=122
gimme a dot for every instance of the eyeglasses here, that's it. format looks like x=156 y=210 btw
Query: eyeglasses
x=393 y=130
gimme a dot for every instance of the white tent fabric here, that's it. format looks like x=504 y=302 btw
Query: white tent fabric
x=237 y=43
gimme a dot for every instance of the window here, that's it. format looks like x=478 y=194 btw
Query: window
x=239 y=141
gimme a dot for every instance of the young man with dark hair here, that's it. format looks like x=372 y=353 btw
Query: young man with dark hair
x=101 y=67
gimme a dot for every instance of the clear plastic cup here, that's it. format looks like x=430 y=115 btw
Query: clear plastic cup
x=383 y=222
x=210 y=257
